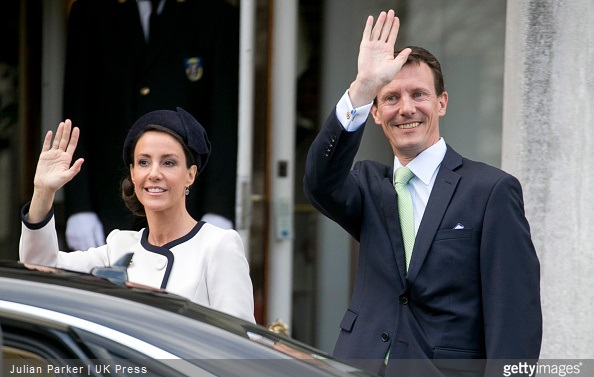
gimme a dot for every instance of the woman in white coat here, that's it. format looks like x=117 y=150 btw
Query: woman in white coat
x=165 y=151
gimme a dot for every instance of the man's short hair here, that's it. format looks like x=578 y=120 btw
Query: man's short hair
x=419 y=55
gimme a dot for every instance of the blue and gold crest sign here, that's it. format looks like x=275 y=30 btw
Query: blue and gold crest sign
x=194 y=68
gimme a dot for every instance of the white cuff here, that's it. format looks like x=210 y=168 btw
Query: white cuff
x=351 y=119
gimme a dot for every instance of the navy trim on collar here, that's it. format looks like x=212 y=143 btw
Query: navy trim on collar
x=165 y=250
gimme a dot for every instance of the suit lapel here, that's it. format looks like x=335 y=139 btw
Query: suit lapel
x=392 y=222
x=441 y=195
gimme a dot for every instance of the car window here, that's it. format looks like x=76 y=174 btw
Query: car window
x=34 y=350
x=114 y=359
x=49 y=352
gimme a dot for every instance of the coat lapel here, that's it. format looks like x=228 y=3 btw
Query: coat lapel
x=441 y=195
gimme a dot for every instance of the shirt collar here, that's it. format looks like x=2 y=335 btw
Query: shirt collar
x=426 y=163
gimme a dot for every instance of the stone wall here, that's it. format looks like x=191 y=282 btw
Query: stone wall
x=548 y=143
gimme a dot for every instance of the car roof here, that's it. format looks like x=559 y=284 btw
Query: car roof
x=99 y=294
x=179 y=326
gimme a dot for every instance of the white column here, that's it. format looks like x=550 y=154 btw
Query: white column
x=283 y=84
x=548 y=143
x=243 y=210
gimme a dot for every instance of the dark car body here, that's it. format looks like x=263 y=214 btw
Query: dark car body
x=65 y=323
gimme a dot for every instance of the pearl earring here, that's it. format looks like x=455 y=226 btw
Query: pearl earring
x=187 y=191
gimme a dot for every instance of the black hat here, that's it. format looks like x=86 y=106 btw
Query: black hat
x=180 y=122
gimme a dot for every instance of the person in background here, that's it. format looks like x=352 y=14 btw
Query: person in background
x=447 y=271
x=164 y=151
x=125 y=58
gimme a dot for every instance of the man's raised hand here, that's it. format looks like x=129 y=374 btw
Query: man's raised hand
x=376 y=63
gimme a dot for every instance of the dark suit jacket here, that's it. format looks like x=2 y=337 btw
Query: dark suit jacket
x=470 y=293
x=108 y=69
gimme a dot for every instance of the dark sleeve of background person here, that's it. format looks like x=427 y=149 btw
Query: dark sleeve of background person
x=216 y=188
x=104 y=45
x=79 y=98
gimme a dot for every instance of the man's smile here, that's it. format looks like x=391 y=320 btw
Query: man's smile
x=407 y=126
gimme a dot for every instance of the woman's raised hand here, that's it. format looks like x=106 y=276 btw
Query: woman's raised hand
x=53 y=168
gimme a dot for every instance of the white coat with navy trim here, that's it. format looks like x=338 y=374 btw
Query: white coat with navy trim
x=207 y=266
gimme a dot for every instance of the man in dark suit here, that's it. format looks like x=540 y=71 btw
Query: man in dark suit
x=187 y=56
x=469 y=295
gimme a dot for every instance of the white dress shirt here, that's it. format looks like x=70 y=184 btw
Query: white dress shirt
x=145 y=8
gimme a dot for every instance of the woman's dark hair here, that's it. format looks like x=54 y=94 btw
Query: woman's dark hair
x=128 y=194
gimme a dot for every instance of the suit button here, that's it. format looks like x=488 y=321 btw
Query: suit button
x=145 y=91
x=385 y=337
x=333 y=138
x=404 y=300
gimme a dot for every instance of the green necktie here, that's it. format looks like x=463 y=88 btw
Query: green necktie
x=405 y=210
